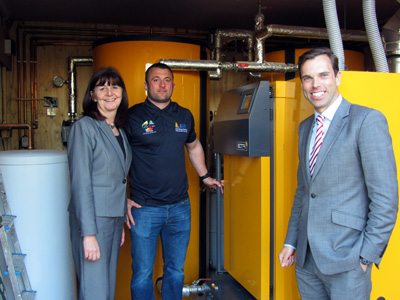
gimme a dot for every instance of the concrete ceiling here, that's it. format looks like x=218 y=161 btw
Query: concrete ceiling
x=193 y=14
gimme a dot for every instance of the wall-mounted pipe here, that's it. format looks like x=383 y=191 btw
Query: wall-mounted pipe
x=72 y=62
x=241 y=66
x=390 y=32
x=20 y=126
x=374 y=37
x=391 y=39
x=222 y=35
x=309 y=33
x=301 y=32
x=333 y=28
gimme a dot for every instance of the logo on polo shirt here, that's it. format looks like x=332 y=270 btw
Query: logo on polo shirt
x=180 y=128
x=148 y=127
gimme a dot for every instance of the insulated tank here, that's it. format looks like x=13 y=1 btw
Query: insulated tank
x=131 y=56
x=36 y=183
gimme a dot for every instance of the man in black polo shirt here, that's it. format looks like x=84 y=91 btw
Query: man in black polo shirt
x=158 y=130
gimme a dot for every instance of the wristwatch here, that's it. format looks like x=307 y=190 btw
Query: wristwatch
x=365 y=261
x=205 y=176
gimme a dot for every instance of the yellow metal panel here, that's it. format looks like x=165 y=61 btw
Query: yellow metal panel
x=130 y=59
x=380 y=91
x=287 y=112
x=246 y=222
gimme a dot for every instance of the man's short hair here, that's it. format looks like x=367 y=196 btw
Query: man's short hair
x=313 y=53
x=159 y=66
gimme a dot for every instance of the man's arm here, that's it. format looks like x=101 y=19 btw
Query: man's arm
x=379 y=166
x=196 y=156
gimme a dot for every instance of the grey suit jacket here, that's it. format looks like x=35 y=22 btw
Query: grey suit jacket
x=348 y=208
x=98 y=171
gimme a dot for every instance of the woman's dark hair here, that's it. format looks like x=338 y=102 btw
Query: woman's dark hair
x=313 y=53
x=101 y=77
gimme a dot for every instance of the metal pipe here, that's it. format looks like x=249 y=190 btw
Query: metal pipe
x=265 y=67
x=222 y=35
x=390 y=33
x=20 y=126
x=24 y=78
x=19 y=96
x=218 y=214
x=72 y=62
x=33 y=85
x=308 y=33
x=374 y=37
x=197 y=65
x=248 y=66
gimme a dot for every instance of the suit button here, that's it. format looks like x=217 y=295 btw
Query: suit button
x=313 y=195
x=124 y=181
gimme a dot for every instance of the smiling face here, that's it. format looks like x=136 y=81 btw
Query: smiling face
x=160 y=86
x=319 y=83
x=108 y=97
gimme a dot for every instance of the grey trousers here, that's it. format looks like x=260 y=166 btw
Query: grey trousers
x=351 y=285
x=97 y=280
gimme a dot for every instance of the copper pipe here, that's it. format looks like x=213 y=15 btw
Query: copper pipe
x=24 y=78
x=20 y=126
x=32 y=68
x=116 y=32
x=19 y=79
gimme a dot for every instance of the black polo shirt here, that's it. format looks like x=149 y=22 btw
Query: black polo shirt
x=157 y=137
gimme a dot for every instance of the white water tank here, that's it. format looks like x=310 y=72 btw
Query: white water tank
x=37 y=187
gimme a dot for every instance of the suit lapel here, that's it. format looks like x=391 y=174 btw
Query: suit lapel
x=336 y=127
x=113 y=141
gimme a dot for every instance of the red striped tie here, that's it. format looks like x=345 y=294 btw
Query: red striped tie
x=318 y=141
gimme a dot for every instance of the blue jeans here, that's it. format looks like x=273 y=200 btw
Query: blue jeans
x=172 y=222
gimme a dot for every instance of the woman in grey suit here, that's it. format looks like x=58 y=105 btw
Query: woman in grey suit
x=99 y=157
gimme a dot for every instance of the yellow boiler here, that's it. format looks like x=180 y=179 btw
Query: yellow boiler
x=131 y=55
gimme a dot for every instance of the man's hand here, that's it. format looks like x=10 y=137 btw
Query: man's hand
x=129 y=218
x=365 y=267
x=213 y=183
x=286 y=257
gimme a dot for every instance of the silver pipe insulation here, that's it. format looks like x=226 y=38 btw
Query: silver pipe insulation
x=301 y=32
x=391 y=40
x=222 y=35
x=390 y=33
x=332 y=25
x=309 y=33
x=374 y=37
x=72 y=62
x=241 y=66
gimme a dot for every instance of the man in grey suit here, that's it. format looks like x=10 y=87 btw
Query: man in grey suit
x=346 y=201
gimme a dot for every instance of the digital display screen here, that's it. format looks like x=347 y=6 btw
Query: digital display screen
x=246 y=101
x=245 y=104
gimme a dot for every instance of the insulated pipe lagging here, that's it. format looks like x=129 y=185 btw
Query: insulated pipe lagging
x=333 y=28
x=374 y=37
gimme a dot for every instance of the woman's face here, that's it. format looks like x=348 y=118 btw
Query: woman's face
x=108 y=97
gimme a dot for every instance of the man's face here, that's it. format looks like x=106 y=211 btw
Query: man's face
x=319 y=83
x=160 y=86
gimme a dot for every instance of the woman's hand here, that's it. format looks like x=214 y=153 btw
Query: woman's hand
x=91 y=248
